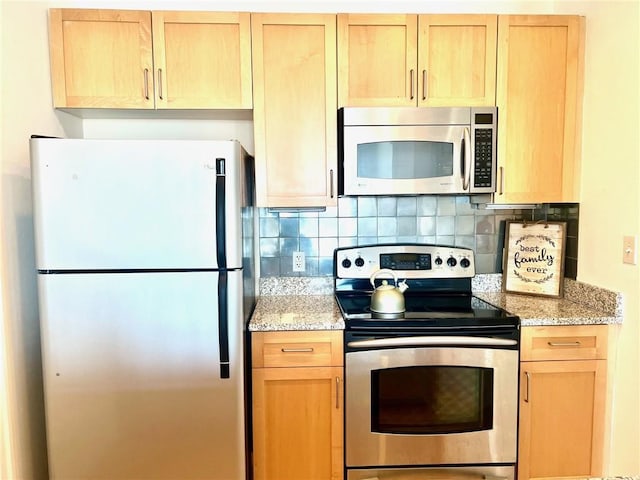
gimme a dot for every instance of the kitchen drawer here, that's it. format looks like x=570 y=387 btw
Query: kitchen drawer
x=571 y=342
x=316 y=348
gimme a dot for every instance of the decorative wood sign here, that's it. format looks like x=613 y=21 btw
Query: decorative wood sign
x=534 y=258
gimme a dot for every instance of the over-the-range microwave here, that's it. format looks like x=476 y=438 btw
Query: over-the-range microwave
x=417 y=150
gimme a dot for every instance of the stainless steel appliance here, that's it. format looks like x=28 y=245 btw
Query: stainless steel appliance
x=432 y=390
x=412 y=151
x=145 y=282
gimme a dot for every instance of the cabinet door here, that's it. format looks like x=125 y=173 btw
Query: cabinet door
x=202 y=59
x=561 y=418
x=297 y=423
x=377 y=56
x=539 y=96
x=101 y=58
x=457 y=60
x=295 y=121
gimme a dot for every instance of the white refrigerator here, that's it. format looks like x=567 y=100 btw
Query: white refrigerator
x=144 y=251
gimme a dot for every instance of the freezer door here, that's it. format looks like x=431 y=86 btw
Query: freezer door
x=133 y=385
x=137 y=204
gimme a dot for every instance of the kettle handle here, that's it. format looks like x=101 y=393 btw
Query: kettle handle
x=386 y=271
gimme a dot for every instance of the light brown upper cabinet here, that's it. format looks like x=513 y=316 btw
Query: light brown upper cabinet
x=202 y=59
x=295 y=120
x=416 y=60
x=108 y=59
x=539 y=98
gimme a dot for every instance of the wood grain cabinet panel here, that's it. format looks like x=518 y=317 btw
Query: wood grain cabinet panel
x=377 y=58
x=539 y=98
x=101 y=58
x=297 y=408
x=457 y=60
x=416 y=60
x=202 y=59
x=113 y=59
x=562 y=401
x=295 y=120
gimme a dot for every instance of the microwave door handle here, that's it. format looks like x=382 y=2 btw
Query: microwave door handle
x=466 y=160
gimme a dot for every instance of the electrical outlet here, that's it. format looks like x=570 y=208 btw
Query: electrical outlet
x=629 y=249
x=298 y=262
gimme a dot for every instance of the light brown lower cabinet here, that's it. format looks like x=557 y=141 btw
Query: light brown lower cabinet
x=297 y=389
x=563 y=397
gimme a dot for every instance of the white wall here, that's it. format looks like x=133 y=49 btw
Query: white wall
x=25 y=109
x=6 y=461
x=610 y=182
x=610 y=196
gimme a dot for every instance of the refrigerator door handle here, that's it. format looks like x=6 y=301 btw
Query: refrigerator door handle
x=223 y=324
x=221 y=232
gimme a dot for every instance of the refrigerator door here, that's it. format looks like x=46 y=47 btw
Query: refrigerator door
x=133 y=380
x=137 y=204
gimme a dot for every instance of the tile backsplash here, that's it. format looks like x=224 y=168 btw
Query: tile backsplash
x=434 y=219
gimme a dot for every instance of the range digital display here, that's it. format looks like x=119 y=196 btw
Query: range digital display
x=406 y=261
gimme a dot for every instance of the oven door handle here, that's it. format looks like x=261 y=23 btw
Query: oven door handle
x=458 y=341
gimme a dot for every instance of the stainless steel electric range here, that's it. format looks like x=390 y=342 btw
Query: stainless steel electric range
x=433 y=390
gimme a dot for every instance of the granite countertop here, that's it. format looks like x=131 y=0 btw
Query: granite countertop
x=581 y=304
x=536 y=311
x=296 y=312
x=307 y=303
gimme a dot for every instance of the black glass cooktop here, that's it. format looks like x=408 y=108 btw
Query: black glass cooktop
x=424 y=311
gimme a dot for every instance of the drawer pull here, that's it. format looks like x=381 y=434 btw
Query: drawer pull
x=297 y=350
x=564 y=344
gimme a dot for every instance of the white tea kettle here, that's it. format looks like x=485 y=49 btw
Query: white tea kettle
x=387 y=298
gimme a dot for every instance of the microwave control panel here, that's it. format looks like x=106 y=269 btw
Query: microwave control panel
x=484 y=148
x=483 y=165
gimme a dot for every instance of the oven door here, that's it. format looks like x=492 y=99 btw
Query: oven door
x=421 y=402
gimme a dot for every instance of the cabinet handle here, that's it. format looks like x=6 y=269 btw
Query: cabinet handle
x=526 y=391
x=424 y=84
x=331 y=183
x=501 y=182
x=297 y=350
x=412 y=83
x=160 y=83
x=564 y=344
x=337 y=392
x=146 y=83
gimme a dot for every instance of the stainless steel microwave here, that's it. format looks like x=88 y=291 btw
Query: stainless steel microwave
x=417 y=150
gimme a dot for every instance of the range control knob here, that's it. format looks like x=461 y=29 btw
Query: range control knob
x=438 y=261
x=346 y=263
x=452 y=262
x=359 y=262
x=464 y=263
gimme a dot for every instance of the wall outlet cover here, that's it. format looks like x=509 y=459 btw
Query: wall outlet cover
x=298 y=262
x=630 y=249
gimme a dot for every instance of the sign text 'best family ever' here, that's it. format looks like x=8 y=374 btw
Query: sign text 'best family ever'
x=534 y=258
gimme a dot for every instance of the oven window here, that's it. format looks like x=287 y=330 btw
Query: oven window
x=405 y=160
x=431 y=399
